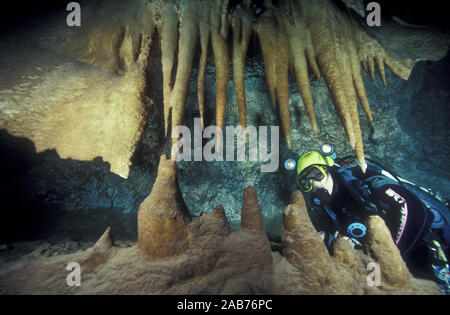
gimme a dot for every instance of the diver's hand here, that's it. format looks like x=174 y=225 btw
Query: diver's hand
x=362 y=188
x=321 y=197
x=370 y=207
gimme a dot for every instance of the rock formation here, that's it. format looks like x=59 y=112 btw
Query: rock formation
x=303 y=248
x=86 y=92
x=163 y=218
x=394 y=270
x=179 y=254
x=51 y=95
x=307 y=266
x=60 y=102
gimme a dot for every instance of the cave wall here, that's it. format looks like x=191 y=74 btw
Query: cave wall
x=82 y=198
x=68 y=168
x=395 y=138
x=177 y=253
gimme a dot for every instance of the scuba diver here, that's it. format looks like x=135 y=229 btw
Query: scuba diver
x=348 y=196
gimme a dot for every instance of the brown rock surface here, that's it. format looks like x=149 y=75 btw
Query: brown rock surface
x=307 y=267
x=163 y=216
x=382 y=248
x=83 y=91
x=175 y=254
x=80 y=111
x=251 y=216
x=303 y=247
x=343 y=252
x=180 y=254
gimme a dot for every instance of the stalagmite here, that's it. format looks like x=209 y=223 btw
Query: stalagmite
x=105 y=240
x=179 y=254
x=382 y=248
x=241 y=23
x=251 y=213
x=163 y=216
x=97 y=255
x=220 y=219
x=302 y=245
x=219 y=33
x=343 y=252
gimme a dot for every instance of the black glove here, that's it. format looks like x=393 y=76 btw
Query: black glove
x=362 y=188
x=371 y=207
x=321 y=197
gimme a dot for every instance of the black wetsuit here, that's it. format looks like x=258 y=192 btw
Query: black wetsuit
x=353 y=201
x=357 y=195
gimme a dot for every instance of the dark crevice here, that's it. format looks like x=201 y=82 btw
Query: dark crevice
x=46 y=197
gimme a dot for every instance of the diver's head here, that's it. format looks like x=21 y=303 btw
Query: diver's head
x=326 y=183
x=312 y=170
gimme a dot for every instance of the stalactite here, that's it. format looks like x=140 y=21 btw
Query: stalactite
x=372 y=68
x=177 y=34
x=186 y=53
x=298 y=35
x=369 y=48
x=266 y=32
x=323 y=27
x=364 y=63
x=350 y=65
x=359 y=83
x=275 y=48
x=311 y=55
x=380 y=64
x=344 y=64
x=282 y=87
x=400 y=67
x=204 y=30
x=241 y=23
x=219 y=34
x=292 y=35
x=169 y=43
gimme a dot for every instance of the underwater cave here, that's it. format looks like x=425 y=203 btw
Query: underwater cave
x=87 y=118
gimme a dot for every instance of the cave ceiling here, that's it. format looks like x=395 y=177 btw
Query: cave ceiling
x=84 y=91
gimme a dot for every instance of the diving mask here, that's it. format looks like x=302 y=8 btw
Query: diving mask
x=313 y=172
